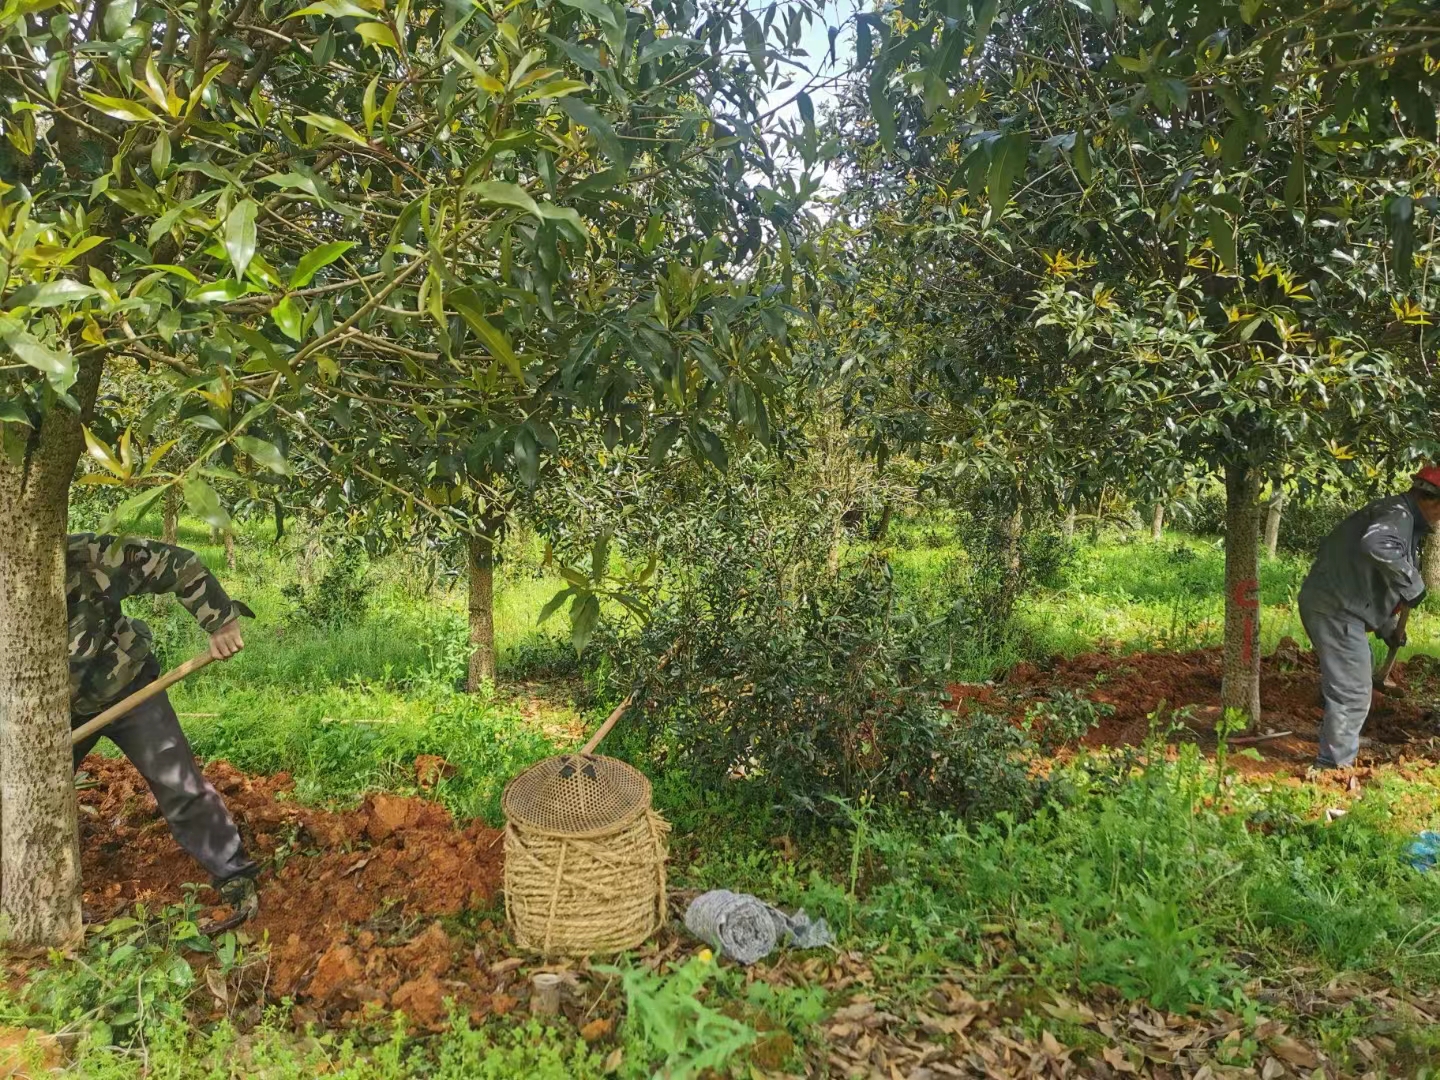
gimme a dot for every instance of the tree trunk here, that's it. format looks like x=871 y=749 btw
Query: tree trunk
x=882 y=527
x=1067 y=528
x=230 y=550
x=1157 y=522
x=40 y=853
x=483 y=552
x=1014 y=531
x=1273 y=510
x=1430 y=563
x=837 y=537
x=1240 y=685
x=170 y=519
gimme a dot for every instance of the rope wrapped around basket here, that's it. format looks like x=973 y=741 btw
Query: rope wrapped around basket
x=584 y=857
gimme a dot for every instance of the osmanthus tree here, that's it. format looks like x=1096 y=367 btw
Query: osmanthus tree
x=464 y=470
x=1189 y=231
x=668 y=326
x=294 y=218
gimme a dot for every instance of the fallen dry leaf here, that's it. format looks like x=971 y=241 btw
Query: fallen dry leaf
x=215 y=982
x=19 y=1047
x=1272 y=1069
x=1302 y=1057
x=1061 y=1009
x=854 y=1014
x=1116 y=1059
x=945 y=1025
x=597 y=1029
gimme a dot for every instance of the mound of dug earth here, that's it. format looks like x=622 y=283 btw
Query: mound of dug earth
x=350 y=902
x=1402 y=722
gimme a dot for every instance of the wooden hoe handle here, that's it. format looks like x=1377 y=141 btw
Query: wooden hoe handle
x=1383 y=675
x=139 y=697
x=622 y=709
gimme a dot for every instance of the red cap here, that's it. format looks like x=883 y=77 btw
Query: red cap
x=1429 y=479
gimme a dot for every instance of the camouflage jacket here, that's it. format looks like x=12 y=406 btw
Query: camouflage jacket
x=109 y=650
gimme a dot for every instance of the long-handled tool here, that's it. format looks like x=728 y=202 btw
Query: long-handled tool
x=134 y=701
x=1382 y=674
x=138 y=698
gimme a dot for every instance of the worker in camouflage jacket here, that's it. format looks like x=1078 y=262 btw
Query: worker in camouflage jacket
x=111 y=658
x=1366 y=575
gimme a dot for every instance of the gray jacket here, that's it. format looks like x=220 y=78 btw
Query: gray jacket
x=1370 y=563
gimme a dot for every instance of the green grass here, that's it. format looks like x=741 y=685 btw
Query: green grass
x=1138 y=885
x=1161 y=880
x=346 y=708
x=1129 y=593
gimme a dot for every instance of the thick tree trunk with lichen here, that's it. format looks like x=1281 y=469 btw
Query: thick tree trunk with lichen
x=484 y=548
x=230 y=550
x=39 y=842
x=1067 y=527
x=1157 y=522
x=1240 y=683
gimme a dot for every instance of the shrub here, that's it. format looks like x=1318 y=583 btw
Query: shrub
x=339 y=596
x=829 y=692
x=1303 y=525
x=1067 y=716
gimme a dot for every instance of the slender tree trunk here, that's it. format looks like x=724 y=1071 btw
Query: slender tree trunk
x=1240 y=686
x=837 y=538
x=170 y=518
x=1067 y=527
x=1157 y=522
x=483 y=551
x=230 y=550
x=40 y=853
x=1014 y=531
x=1273 y=510
x=1430 y=563
x=882 y=527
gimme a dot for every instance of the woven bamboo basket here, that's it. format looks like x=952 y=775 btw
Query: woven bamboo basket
x=584 y=856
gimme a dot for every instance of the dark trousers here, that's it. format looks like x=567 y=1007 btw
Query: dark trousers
x=150 y=736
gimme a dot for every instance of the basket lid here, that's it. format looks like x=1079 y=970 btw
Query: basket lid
x=575 y=794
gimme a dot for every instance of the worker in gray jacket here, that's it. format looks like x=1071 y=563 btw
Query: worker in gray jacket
x=1366 y=574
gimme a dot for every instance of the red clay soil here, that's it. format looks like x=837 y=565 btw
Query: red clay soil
x=1402 y=723
x=350 y=902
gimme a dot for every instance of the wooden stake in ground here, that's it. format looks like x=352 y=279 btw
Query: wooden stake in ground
x=1240 y=685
